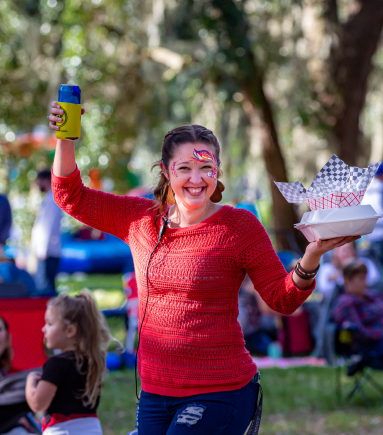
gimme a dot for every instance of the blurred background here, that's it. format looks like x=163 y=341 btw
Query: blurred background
x=284 y=84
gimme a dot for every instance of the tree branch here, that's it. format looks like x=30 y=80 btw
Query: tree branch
x=331 y=11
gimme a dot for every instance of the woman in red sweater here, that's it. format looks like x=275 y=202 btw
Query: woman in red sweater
x=195 y=371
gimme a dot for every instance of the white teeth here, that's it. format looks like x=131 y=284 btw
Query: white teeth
x=196 y=190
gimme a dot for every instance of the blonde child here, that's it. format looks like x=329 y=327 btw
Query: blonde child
x=68 y=390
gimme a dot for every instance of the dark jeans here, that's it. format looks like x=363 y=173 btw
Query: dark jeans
x=222 y=413
x=45 y=276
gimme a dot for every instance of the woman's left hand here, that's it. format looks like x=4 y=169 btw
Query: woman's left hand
x=316 y=249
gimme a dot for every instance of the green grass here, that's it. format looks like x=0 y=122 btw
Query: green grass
x=297 y=401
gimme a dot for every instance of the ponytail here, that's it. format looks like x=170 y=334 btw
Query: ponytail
x=92 y=339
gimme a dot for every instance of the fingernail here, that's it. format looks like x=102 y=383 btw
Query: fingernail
x=61 y=112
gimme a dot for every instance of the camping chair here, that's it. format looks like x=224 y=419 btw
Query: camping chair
x=325 y=329
x=13 y=405
x=25 y=319
x=360 y=366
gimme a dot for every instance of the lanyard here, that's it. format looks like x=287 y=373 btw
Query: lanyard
x=256 y=421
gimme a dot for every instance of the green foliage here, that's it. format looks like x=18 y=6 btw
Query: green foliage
x=147 y=66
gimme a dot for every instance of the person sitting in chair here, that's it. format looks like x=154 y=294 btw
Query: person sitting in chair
x=15 y=413
x=360 y=310
x=331 y=274
x=11 y=274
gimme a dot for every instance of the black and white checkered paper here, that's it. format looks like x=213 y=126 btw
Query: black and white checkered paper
x=335 y=176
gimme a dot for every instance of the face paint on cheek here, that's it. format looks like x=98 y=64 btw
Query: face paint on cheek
x=205 y=156
x=173 y=169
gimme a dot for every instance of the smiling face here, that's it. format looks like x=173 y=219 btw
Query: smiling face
x=56 y=334
x=193 y=174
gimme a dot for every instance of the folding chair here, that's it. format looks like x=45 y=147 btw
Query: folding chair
x=13 y=405
x=360 y=366
x=25 y=319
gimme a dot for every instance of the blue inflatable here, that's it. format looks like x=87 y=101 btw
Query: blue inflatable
x=113 y=361
x=111 y=255
x=129 y=360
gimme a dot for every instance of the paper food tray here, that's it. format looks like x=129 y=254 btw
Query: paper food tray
x=330 y=230
x=338 y=214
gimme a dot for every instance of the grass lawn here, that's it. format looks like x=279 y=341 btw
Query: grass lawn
x=299 y=401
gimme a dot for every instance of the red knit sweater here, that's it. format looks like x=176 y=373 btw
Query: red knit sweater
x=191 y=341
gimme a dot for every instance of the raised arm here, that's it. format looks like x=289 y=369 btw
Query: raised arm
x=259 y=259
x=282 y=292
x=104 y=211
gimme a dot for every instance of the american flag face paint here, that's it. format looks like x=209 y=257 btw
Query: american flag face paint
x=200 y=156
x=205 y=156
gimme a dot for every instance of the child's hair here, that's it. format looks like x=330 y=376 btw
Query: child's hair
x=354 y=268
x=92 y=338
x=7 y=355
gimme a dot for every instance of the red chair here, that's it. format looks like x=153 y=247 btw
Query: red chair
x=295 y=335
x=25 y=318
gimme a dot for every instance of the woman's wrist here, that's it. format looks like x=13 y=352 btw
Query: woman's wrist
x=305 y=275
x=64 y=162
x=309 y=262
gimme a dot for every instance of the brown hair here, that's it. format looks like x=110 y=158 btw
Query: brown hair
x=92 y=338
x=7 y=355
x=177 y=137
x=354 y=268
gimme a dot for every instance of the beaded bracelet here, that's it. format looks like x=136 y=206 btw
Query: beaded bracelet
x=304 y=274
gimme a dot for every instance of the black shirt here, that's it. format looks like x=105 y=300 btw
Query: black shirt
x=61 y=371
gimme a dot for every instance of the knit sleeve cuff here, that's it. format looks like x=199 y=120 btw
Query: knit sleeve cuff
x=291 y=284
x=66 y=180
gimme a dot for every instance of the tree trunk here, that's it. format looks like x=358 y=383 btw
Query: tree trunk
x=284 y=216
x=358 y=41
x=258 y=105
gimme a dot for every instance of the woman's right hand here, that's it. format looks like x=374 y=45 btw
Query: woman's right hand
x=54 y=117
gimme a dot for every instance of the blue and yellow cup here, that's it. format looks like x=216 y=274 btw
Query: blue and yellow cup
x=70 y=101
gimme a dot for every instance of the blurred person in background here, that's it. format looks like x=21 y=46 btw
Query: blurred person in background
x=331 y=274
x=12 y=415
x=11 y=274
x=251 y=310
x=6 y=352
x=360 y=310
x=46 y=237
x=374 y=197
x=5 y=221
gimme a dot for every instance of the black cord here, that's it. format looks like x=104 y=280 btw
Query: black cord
x=162 y=231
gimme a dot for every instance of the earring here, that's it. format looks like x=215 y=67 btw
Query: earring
x=170 y=195
x=217 y=194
